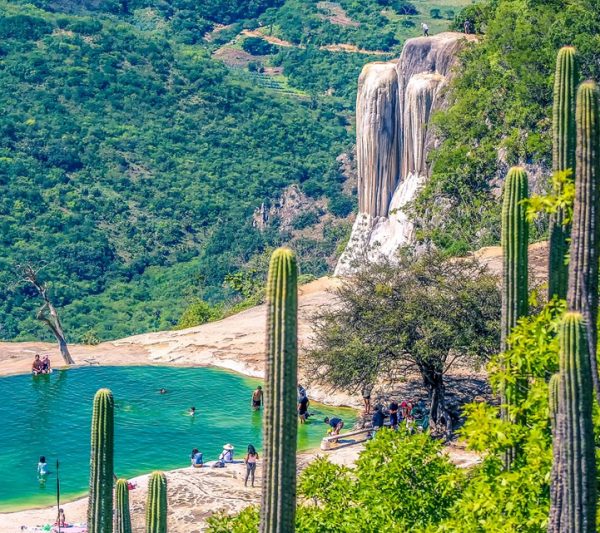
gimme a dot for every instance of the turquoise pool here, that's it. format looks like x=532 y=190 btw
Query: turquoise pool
x=50 y=416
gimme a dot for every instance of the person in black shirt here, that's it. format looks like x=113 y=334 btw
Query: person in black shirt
x=303 y=409
x=378 y=417
x=394 y=414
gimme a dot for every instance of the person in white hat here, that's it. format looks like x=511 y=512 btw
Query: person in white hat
x=227 y=454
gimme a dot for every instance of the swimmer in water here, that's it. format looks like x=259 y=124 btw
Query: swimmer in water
x=192 y=411
x=42 y=468
x=162 y=391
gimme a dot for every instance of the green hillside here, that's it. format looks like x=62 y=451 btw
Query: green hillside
x=134 y=151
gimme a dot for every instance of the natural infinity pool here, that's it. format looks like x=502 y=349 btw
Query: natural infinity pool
x=50 y=415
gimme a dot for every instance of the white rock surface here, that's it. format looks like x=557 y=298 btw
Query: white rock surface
x=394 y=105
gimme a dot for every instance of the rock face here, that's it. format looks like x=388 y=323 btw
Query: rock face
x=394 y=105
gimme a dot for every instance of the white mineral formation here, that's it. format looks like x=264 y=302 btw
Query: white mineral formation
x=394 y=104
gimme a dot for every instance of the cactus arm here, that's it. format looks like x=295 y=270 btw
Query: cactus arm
x=280 y=424
x=156 y=504
x=563 y=160
x=122 y=515
x=583 y=267
x=100 y=504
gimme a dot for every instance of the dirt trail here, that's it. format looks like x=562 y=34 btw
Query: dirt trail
x=348 y=48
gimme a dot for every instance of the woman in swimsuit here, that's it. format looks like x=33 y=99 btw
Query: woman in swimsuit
x=250 y=460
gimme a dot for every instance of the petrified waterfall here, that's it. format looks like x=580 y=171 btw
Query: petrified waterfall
x=394 y=104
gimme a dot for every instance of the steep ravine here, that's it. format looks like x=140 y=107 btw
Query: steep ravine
x=394 y=105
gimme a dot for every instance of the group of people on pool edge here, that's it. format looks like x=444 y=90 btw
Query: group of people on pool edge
x=335 y=424
x=41 y=365
x=226 y=456
x=302 y=402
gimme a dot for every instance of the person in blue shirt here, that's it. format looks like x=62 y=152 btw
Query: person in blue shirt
x=336 y=424
x=42 y=469
x=196 y=458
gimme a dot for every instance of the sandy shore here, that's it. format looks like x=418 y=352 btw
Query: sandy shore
x=193 y=495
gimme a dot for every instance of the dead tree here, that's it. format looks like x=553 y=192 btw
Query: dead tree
x=47 y=313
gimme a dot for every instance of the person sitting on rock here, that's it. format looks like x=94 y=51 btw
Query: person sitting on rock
x=196 y=457
x=37 y=367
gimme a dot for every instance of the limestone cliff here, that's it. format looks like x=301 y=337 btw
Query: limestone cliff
x=394 y=105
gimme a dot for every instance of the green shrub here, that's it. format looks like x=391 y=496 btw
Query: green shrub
x=400 y=482
x=198 y=312
x=258 y=47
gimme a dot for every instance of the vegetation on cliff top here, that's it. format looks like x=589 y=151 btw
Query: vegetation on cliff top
x=500 y=114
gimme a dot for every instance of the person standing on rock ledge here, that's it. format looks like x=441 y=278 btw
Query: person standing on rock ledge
x=425 y=29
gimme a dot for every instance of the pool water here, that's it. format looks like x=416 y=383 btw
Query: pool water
x=50 y=415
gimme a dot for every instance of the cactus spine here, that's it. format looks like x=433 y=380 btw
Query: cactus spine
x=156 y=504
x=100 y=506
x=583 y=267
x=122 y=517
x=280 y=426
x=563 y=130
x=577 y=512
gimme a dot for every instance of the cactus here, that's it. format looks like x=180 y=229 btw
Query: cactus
x=515 y=236
x=100 y=506
x=563 y=128
x=122 y=517
x=156 y=505
x=280 y=428
x=574 y=496
x=582 y=293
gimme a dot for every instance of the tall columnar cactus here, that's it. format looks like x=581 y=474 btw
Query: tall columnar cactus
x=563 y=130
x=156 y=504
x=582 y=295
x=122 y=516
x=515 y=236
x=100 y=506
x=574 y=497
x=280 y=424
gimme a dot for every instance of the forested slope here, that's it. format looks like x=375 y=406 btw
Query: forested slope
x=132 y=160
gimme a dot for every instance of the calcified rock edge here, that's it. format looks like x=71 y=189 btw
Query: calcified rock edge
x=394 y=105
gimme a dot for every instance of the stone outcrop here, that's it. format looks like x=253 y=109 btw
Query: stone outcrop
x=394 y=105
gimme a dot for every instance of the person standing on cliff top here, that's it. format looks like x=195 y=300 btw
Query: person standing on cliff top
x=425 y=29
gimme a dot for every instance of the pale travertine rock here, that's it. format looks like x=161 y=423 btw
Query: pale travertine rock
x=393 y=140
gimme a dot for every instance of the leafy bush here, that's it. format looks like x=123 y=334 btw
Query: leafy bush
x=257 y=46
x=341 y=205
x=198 y=312
x=306 y=219
x=23 y=27
x=400 y=482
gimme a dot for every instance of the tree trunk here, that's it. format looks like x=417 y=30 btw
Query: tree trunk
x=49 y=316
x=439 y=416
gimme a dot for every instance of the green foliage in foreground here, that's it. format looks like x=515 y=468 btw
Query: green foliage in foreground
x=403 y=483
x=400 y=483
